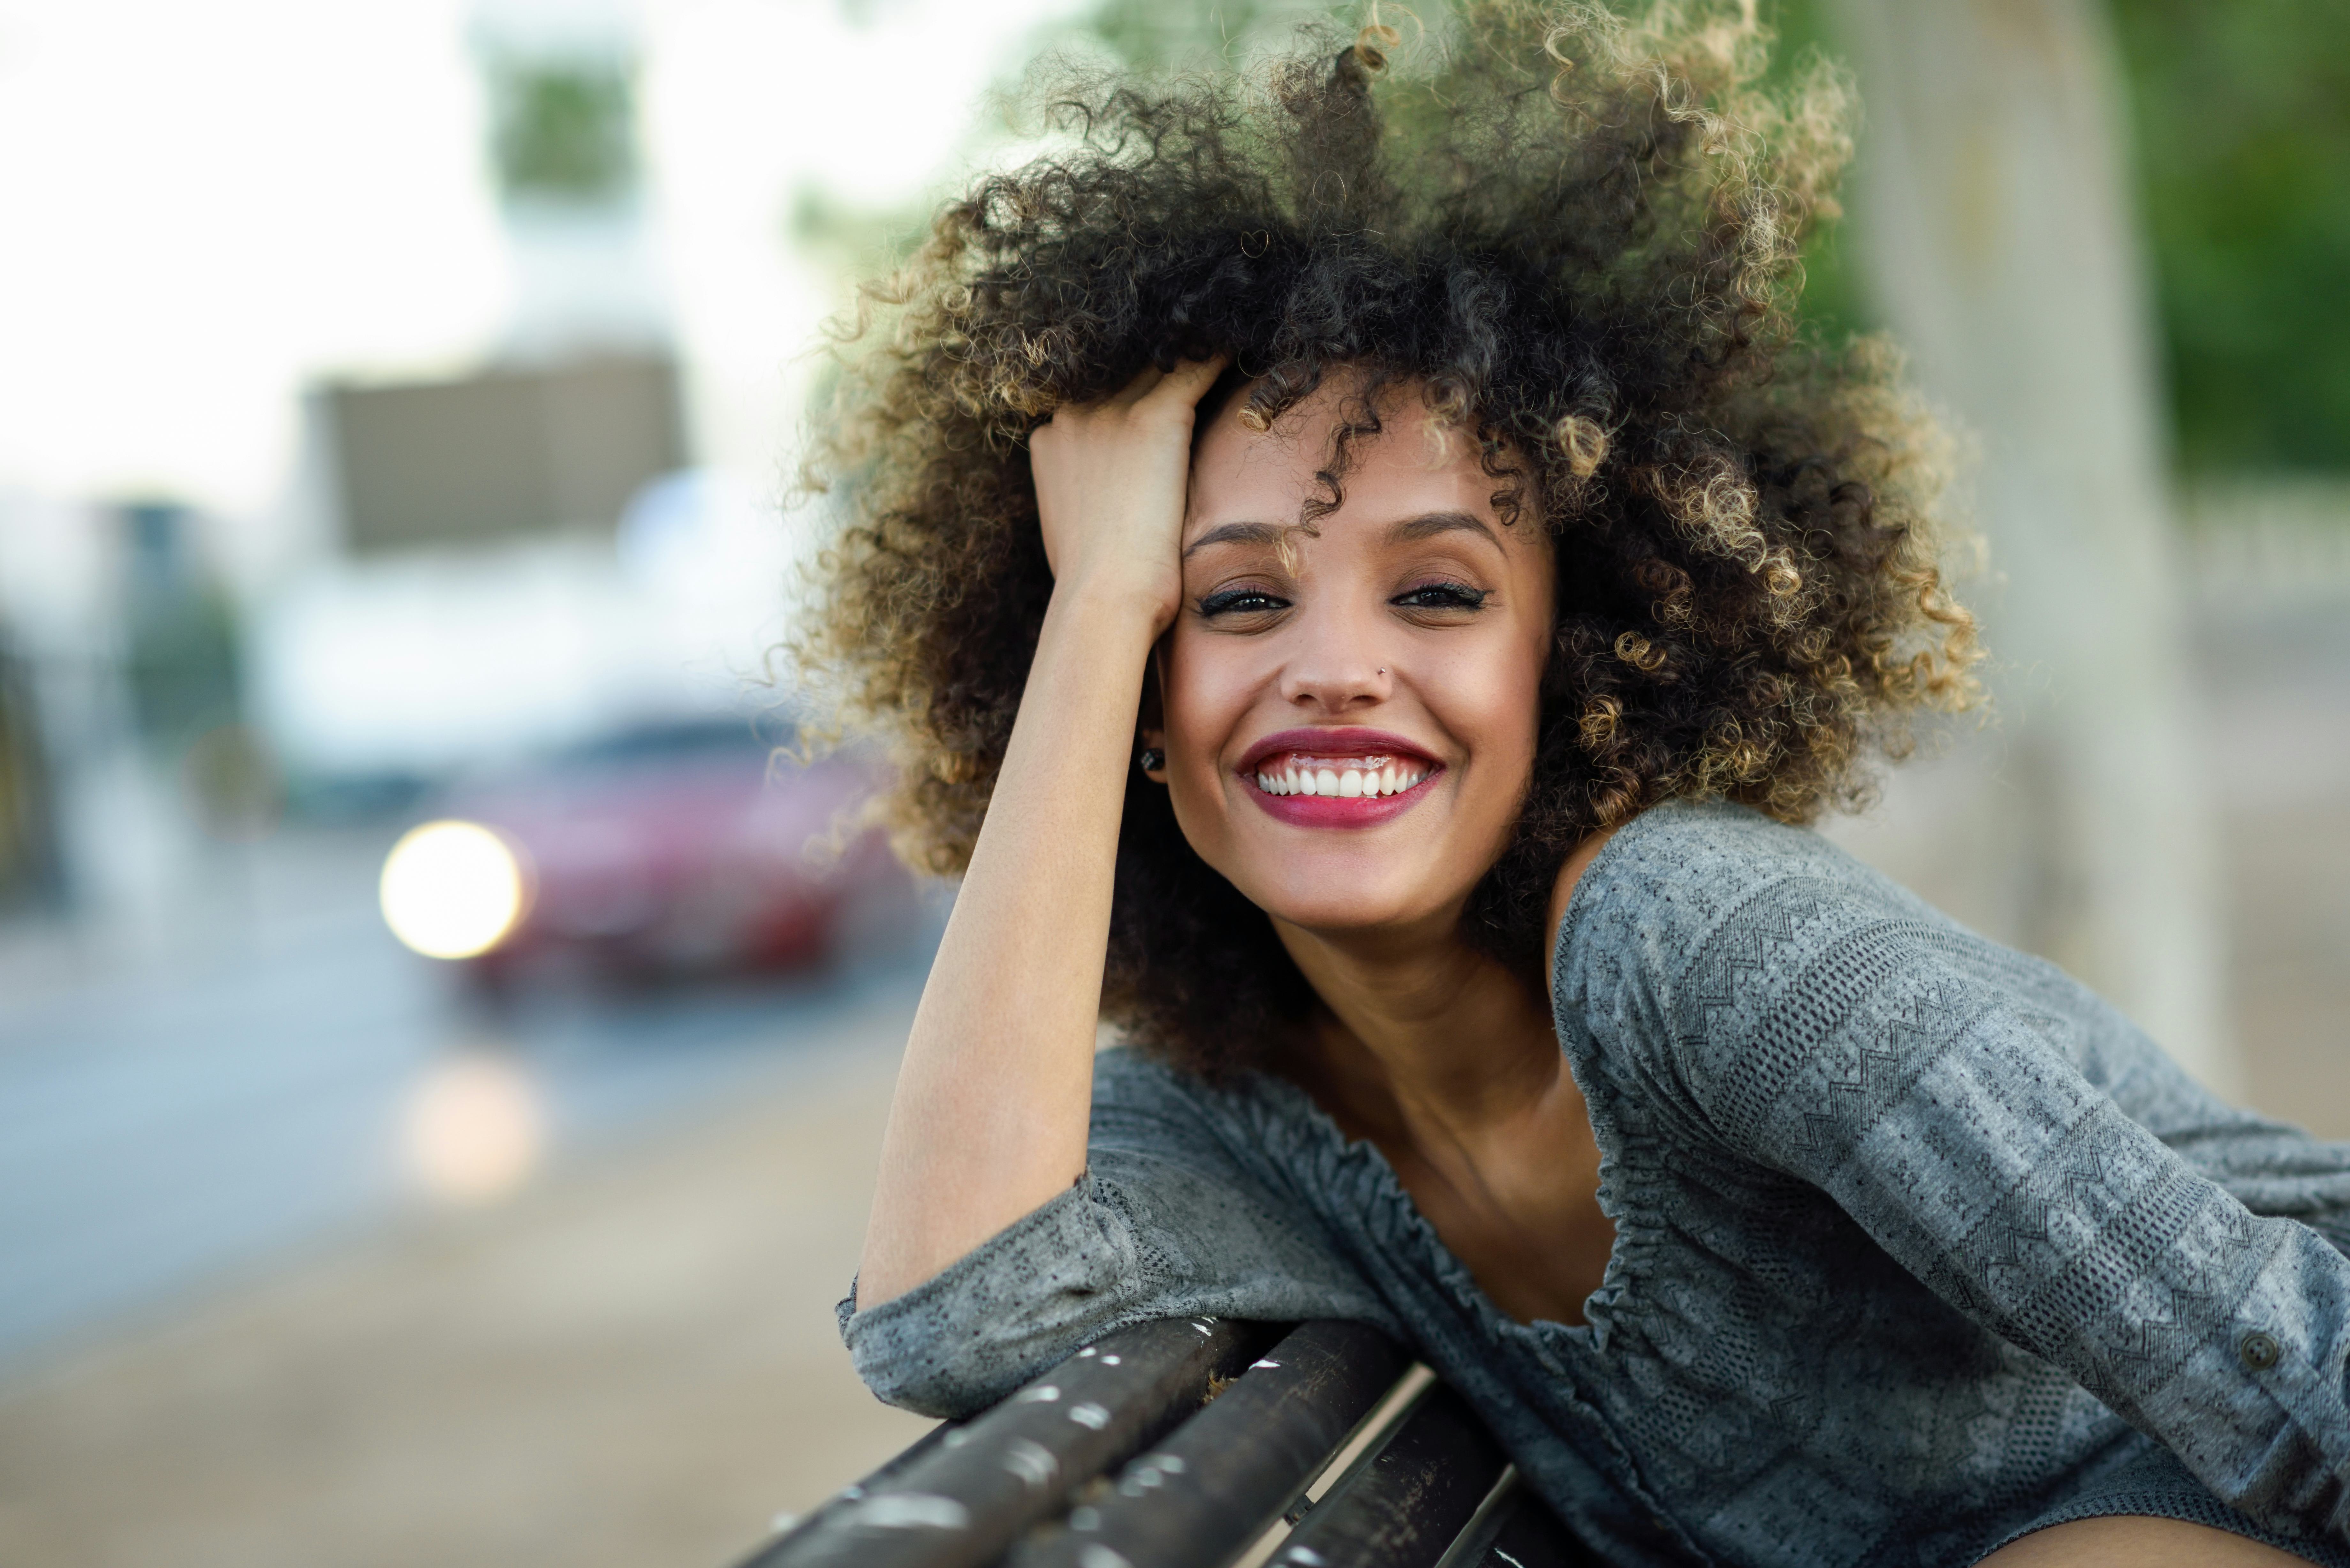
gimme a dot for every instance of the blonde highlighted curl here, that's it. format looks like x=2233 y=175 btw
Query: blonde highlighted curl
x=1578 y=238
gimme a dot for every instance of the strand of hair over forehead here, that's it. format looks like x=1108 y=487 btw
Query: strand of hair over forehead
x=1481 y=188
x=1529 y=180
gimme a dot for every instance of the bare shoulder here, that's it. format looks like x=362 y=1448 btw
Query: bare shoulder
x=1570 y=872
x=1694 y=868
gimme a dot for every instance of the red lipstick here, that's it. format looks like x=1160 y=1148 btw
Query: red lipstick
x=1337 y=777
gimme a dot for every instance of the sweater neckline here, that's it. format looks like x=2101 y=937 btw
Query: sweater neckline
x=1358 y=1165
x=1342 y=1163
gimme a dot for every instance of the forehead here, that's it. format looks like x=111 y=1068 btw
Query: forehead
x=1413 y=466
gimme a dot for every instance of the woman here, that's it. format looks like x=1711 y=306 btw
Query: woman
x=1371 y=585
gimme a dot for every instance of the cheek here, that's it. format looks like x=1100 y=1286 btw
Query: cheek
x=1500 y=702
x=1205 y=685
x=1205 y=692
x=1508 y=718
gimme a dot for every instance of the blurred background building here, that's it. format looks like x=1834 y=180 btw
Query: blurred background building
x=398 y=406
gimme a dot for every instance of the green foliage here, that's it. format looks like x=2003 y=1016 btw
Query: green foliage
x=1163 y=34
x=565 y=131
x=1835 y=303
x=2242 y=114
x=862 y=242
x=1157 y=35
x=1152 y=32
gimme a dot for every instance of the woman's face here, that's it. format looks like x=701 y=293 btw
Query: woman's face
x=1350 y=711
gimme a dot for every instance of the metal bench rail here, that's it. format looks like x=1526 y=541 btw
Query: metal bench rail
x=1199 y=1443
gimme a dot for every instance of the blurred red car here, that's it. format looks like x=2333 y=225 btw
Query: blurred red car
x=688 y=849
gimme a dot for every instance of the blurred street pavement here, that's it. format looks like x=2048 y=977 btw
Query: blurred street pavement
x=632 y=1363
x=237 y=1327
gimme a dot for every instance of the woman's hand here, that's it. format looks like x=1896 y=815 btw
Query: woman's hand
x=994 y=1093
x=1110 y=487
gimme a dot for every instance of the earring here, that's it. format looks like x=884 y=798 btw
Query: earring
x=1153 y=758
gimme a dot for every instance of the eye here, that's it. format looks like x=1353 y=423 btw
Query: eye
x=1240 y=601
x=1442 y=597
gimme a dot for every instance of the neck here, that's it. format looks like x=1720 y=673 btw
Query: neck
x=1426 y=1038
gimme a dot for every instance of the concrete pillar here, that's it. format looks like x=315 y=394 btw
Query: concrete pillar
x=1993 y=216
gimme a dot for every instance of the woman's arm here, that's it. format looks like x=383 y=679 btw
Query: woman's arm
x=1848 y=1039
x=1170 y=1221
x=989 y=1118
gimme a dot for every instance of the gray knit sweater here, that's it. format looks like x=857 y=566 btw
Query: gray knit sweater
x=1919 y=1245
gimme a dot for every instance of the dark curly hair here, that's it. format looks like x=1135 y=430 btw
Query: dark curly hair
x=1576 y=237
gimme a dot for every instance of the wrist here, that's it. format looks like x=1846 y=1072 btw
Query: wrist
x=1119 y=606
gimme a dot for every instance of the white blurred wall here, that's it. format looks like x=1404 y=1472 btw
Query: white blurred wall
x=215 y=208
x=211 y=207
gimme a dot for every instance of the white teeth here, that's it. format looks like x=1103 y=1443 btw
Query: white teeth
x=1341 y=783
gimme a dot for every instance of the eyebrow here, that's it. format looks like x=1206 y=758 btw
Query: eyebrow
x=1234 y=533
x=1410 y=530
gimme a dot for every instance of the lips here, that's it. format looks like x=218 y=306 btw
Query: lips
x=1337 y=777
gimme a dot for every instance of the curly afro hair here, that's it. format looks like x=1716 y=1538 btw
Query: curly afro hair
x=1576 y=237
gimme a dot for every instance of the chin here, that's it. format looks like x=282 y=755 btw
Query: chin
x=1354 y=891
x=1400 y=875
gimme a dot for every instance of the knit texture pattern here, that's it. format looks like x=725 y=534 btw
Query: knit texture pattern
x=1919 y=1245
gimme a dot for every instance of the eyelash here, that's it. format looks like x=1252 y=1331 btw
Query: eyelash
x=1426 y=596
x=1232 y=600
x=1447 y=596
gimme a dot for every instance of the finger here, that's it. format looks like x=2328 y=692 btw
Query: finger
x=1191 y=379
x=1134 y=391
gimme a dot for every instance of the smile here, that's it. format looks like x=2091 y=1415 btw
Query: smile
x=1343 y=778
x=1337 y=777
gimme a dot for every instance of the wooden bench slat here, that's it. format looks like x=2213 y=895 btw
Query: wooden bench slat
x=964 y=1494
x=1513 y=1529
x=1404 y=1503
x=1424 y=1485
x=1219 y=1480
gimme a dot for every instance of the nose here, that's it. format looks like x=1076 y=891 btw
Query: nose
x=1335 y=667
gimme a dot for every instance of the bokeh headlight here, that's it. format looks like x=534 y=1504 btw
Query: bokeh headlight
x=452 y=889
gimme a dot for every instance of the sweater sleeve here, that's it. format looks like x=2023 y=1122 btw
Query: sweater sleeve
x=2271 y=1168
x=1166 y=1222
x=1819 y=1023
